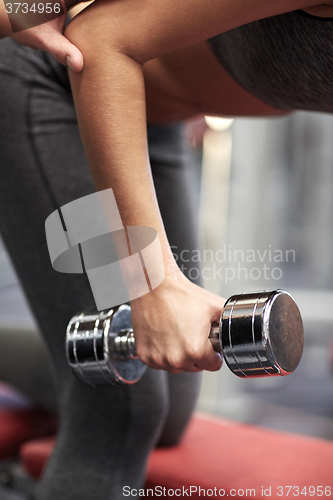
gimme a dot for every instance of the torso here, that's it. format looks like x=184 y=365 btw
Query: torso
x=284 y=60
x=191 y=80
x=323 y=10
x=275 y=64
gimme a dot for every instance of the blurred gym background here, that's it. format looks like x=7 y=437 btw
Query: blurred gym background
x=265 y=188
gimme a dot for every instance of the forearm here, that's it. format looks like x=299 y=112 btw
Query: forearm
x=117 y=38
x=110 y=105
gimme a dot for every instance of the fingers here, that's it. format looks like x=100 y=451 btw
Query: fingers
x=216 y=306
x=186 y=359
x=172 y=328
x=171 y=363
x=67 y=54
x=49 y=37
x=62 y=49
x=177 y=355
x=210 y=360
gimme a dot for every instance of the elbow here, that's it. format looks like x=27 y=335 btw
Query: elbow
x=100 y=30
x=87 y=37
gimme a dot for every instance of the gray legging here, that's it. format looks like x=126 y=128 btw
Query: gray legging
x=105 y=434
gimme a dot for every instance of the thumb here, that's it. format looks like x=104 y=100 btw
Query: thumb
x=66 y=53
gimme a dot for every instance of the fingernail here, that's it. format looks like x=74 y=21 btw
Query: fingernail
x=69 y=63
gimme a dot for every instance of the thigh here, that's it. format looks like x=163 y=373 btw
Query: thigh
x=43 y=166
x=174 y=183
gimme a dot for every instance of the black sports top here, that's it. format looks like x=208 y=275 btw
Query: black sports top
x=286 y=60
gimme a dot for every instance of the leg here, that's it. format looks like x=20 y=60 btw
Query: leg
x=106 y=434
x=173 y=180
x=25 y=364
x=43 y=167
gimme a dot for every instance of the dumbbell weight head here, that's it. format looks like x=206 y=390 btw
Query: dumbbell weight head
x=100 y=347
x=259 y=334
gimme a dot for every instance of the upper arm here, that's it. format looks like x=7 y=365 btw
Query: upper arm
x=145 y=29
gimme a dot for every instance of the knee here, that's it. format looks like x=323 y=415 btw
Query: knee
x=131 y=415
x=184 y=390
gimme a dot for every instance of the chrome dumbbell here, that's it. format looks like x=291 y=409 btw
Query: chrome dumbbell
x=259 y=334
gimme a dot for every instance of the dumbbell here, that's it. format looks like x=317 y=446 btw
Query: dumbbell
x=259 y=334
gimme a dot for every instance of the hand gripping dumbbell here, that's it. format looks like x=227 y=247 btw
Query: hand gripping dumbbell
x=259 y=334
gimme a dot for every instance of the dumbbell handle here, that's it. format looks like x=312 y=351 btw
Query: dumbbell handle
x=258 y=334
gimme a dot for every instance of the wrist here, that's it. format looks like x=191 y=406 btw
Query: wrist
x=172 y=282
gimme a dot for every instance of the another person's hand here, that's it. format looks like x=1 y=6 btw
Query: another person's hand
x=47 y=37
x=172 y=324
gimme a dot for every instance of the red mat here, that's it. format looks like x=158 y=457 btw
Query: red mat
x=219 y=458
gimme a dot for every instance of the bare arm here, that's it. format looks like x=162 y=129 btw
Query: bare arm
x=117 y=39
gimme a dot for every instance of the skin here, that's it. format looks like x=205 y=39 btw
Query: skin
x=138 y=48
x=146 y=59
x=323 y=10
x=47 y=37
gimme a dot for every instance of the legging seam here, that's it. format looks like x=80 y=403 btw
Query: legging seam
x=31 y=139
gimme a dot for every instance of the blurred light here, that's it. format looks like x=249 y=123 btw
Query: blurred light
x=218 y=124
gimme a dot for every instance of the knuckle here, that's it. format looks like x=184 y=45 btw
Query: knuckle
x=156 y=361
x=176 y=362
x=149 y=355
x=142 y=355
x=195 y=352
x=58 y=52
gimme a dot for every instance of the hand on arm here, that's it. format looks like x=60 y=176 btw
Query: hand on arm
x=47 y=37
